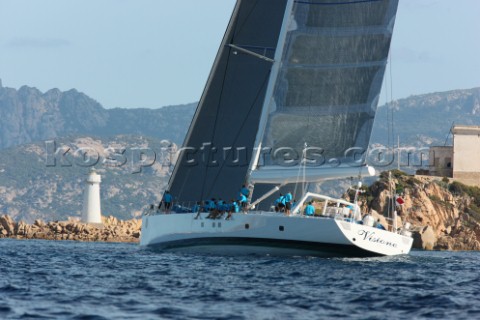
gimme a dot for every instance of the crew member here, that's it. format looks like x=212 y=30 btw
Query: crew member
x=309 y=209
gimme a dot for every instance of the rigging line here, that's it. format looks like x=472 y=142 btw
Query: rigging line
x=336 y=3
x=179 y=195
x=257 y=96
x=240 y=28
x=390 y=189
x=390 y=133
x=391 y=95
x=298 y=176
x=385 y=90
x=216 y=116
x=301 y=170
x=303 y=160
x=449 y=132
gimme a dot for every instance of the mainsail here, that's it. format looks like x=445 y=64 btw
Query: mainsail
x=327 y=89
x=289 y=74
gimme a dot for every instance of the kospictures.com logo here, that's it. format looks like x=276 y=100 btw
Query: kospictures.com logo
x=211 y=156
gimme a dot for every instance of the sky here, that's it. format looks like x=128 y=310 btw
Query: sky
x=154 y=53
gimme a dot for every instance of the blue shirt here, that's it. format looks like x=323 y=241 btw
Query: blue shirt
x=245 y=191
x=242 y=198
x=227 y=206
x=167 y=197
x=288 y=197
x=212 y=205
x=309 y=210
x=206 y=205
x=380 y=226
x=236 y=208
x=280 y=200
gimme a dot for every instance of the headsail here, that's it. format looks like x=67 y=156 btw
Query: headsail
x=222 y=135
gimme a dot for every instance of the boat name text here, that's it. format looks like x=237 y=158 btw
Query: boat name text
x=370 y=236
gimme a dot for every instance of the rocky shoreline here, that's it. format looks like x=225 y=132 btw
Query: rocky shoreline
x=111 y=230
x=445 y=214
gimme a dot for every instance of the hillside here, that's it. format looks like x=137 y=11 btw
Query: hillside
x=425 y=120
x=28 y=115
x=31 y=188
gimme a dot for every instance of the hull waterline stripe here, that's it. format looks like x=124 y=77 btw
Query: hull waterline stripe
x=321 y=248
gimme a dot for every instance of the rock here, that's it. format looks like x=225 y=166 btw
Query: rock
x=40 y=236
x=8 y=224
x=445 y=243
x=22 y=228
x=425 y=239
x=448 y=230
x=39 y=223
x=115 y=231
x=79 y=228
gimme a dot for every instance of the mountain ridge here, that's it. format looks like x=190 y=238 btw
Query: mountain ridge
x=425 y=120
x=28 y=115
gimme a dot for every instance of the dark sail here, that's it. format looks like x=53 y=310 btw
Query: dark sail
x=226 y=122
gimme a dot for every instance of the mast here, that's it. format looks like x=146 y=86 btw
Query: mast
x=398 y=152
x=269 y=94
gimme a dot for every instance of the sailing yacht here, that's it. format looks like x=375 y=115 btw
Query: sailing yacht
x=289 y=103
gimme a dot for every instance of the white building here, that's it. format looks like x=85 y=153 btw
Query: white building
x=459 y=162
x=466 y=153
x=91 y=203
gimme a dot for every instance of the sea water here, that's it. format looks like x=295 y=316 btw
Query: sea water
x=74 y=280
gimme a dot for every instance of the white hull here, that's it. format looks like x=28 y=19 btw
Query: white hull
x=270 y=233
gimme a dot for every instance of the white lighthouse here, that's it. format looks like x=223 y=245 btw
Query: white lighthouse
x=91 y=202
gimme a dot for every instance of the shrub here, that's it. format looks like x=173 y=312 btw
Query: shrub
x=474 y=212
x=460 y=188
x=456 y=187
